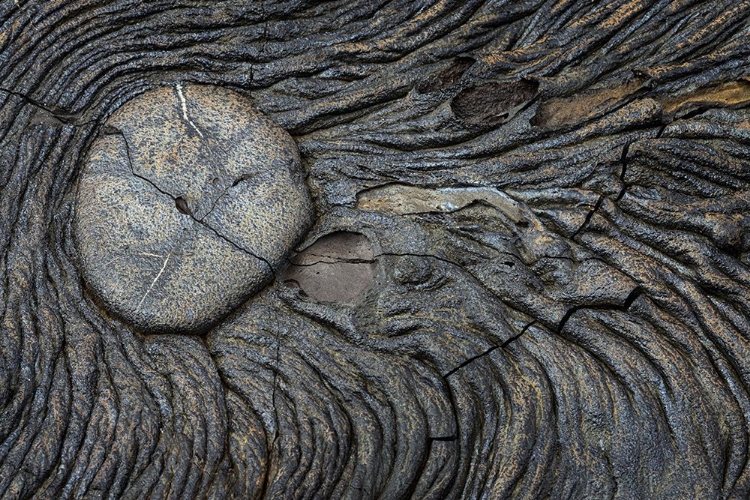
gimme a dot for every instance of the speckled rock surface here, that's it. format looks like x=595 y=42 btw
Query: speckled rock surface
x=528 y=276
x=188 y=203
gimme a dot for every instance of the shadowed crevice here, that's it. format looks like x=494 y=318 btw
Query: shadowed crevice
x=490 y=350
x=637 y=292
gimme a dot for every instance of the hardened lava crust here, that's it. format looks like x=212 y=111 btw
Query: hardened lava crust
x=187 y=205
x=477 y=249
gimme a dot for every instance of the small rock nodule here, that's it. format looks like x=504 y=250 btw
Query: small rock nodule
x=186 y=206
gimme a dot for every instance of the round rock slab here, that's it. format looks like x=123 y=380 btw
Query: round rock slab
x=187 y=204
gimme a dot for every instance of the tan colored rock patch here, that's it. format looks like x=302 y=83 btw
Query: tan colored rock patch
x=186 y=206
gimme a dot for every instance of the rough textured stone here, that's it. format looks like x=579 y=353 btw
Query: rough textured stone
x=528 y=276
x=186 y=206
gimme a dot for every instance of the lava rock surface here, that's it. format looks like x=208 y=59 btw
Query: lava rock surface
x=186 y=207
x=528 y=274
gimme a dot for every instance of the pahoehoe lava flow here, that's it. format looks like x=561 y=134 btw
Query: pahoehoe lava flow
x=523 y=270
x=177 y=224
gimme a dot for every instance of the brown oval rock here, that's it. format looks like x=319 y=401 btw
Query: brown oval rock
x=186 y=206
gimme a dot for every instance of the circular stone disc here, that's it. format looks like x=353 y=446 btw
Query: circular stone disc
x=186 y=206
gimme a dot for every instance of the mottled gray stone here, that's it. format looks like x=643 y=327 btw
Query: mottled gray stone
x=187 y=205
